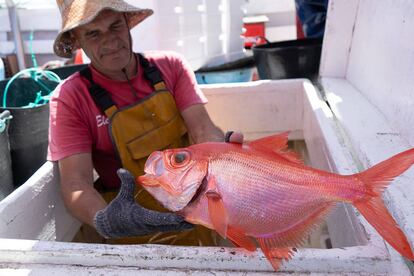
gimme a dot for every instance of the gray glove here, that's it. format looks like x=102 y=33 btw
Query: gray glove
x=123 y=217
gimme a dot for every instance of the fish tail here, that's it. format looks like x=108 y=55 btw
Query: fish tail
x=372 y=207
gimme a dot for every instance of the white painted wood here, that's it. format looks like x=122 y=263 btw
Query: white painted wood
x=328 y=152
x=371 y=97
x=35 y=210
x=368 y=43
x=381 y=63
x=43 y=270
x=354 y=260
x=338 y=37
x=371 y=139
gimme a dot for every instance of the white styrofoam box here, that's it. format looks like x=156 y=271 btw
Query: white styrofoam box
x=167 y=7
x=193 y=47
x=213 y=6
x=234 y=42
x=193 y=6
x=214 y=24
x=281 y=33
x=172 y=26
x=192 y=25
x=185 y=21
x=214 y=45
x=254 y=7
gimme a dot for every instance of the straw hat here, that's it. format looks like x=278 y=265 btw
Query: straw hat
x=76 y=13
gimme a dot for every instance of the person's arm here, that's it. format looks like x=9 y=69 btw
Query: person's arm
x=199 y=125
x=202 y=129
x=78 y=194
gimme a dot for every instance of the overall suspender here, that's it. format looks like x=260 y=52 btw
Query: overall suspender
x=102 y=98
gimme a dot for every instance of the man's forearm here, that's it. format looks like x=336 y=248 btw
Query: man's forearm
x=208 y=134
x=82 y=201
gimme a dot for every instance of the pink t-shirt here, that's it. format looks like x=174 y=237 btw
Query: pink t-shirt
x=78 y=126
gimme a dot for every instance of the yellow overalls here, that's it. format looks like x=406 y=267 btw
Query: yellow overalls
x=154 y=123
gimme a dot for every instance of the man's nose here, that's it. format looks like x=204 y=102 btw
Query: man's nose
x=109 y=40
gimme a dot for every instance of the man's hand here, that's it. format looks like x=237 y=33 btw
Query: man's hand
x=123 y=217
x=234 y=137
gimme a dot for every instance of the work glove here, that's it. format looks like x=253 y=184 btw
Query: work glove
x=123 y=217
x=234 y=137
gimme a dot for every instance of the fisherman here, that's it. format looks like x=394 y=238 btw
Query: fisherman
x=113 y=114
x=312 y=16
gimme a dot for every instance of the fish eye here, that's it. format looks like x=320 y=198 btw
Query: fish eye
x=179 y=158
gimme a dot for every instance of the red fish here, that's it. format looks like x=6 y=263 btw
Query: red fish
x=262 y=191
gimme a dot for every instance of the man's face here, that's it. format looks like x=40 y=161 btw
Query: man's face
x=106 y=41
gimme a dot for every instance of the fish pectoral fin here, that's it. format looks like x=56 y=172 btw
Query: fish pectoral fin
x=216 y=210
x=218 y=214
x=276 y=255
x=240 y=239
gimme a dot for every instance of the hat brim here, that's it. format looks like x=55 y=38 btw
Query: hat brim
x=64 y=44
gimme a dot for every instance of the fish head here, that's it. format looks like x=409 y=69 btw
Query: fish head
x=173 y=177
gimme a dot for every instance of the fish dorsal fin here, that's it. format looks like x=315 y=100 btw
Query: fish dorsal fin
x=217 y=212
x=276 y=144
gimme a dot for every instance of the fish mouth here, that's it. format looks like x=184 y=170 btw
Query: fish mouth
x=171 y=201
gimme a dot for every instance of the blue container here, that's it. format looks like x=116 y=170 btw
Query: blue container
x=238 y=75
x=237 y=71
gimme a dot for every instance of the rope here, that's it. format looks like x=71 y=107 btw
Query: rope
x=36 y=74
